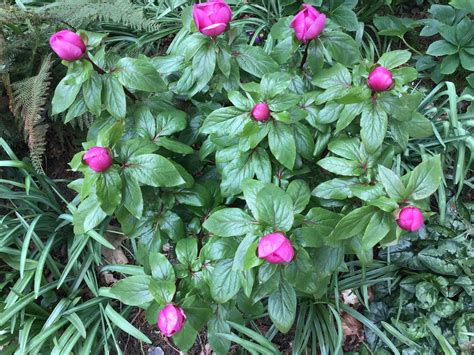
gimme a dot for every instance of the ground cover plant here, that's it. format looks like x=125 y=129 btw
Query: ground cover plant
x=264 y=177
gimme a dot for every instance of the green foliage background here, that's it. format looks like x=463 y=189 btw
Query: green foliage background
x=195 y=182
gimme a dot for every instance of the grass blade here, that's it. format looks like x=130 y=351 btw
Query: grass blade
x=123 y=324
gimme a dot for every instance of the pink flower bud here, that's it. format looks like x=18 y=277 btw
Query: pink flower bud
x=410 y=219
x=275 y=248
x=308 y=23
x=98 y=159
x=67 y=45
x=211 y=18
x=261 y=112
x=171 y=320
x=380 y=79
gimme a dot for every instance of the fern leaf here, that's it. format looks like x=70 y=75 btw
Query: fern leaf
x=123 y=12
x=29 y=100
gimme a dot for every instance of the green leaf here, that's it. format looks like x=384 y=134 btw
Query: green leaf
x=392 y=183
x=224 y=281
x=244 y=253
x=255 y=61
x=354 y=95
x=275 y=208
x=204 y=64
x=114 y=96
x=367 y=192
x=338 y=189
x=378 y=227
x=226 y=120
x=92 y=93
x=394 y=59
x=426 y=294
x=77 y=109
x=394 y=26
x=111 y=134
x=419 y=126
x=239 y=169
x=273 y=84
x=88 y=215
x=132 y=195
x=353 y=223
x=163 y=124
x=229 y=222
x=168 y=64
x=282 y=144
x=139 y=74
x=465 y=5
x=467 y=60
x=330 y=113
x=161 y=268
x=449 y=64
x=162 y=291
x=347 y=115
x=317 y=226
x=154 y=170
x=282 y=307
x=262 y=165
x=341 y=166
x=123 y=324
x=443 y=342
x=217 y=248
x=186 y=250
x=109 y=190
x=133 y=290
x=349 y=148
x=65 y=94
x=441 y=48
x=185 y=338
x=336 y=80
x=404 y=75
x=174 y=146
x=92 y=39
x=282 y=102
x=250 y=189
x=216 y=326
x=345 y=17
x=224 y=60
x=384 y=203
x=425 y=178
x=299 y=192
x=373 y=124
x=342 y=47
x=171 y=224
x=240 y=101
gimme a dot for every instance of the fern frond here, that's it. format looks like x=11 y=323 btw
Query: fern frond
x=29 y=100
x=82 y=122
x=123 y=12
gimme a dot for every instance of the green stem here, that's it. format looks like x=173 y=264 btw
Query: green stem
x=305 y=55
x=413 y=49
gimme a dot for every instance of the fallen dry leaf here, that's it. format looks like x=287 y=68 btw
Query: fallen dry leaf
x=115 y=256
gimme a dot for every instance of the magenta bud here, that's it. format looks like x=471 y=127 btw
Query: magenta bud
x=410 y=219
x=380 y=79
x=261 y=112
x=67 y=45
x=308 y=23
x=275 y=248
x=171 y=320
x=212 y=17
x=98 y=159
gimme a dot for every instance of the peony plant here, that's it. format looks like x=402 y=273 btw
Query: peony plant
x=243 y=175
